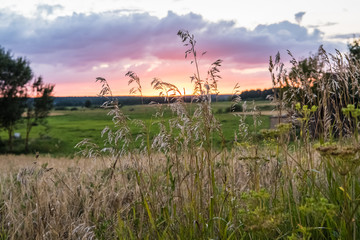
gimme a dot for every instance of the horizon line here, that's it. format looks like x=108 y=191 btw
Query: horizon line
x=130 y=95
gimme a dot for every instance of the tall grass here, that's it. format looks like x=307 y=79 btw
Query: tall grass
x=298 y=181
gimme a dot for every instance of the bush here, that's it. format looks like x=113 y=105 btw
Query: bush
x=265 y=108
x=45 y=144
x=87 y=104
x=235 y=108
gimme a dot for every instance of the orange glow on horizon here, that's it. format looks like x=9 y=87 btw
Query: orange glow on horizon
x=119 y=89
x=177 y=73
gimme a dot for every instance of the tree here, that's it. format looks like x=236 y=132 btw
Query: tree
x=38 y=109
x=354 y=49
x=15 y=74
x=87 y=104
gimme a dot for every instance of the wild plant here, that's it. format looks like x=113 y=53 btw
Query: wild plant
x=340 y=174
x=134 y=78
x=353 y=114
x=190 y=132
x=329 y=85
x=118 y=142
x=328 y=81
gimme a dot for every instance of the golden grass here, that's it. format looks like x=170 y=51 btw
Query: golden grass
x=53 y=198
x=12 y=163
x=59 y=198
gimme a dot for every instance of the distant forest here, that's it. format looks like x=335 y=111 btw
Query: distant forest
x=133 y=100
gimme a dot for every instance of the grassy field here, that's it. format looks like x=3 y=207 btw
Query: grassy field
x=171 y=178
x=66 y=128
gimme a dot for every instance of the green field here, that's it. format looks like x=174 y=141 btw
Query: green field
x=66 y=128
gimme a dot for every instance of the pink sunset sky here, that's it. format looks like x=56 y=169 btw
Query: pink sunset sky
x=70 y=43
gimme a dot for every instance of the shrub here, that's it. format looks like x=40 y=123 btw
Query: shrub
x=234 y=108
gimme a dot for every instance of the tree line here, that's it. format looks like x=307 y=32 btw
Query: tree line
x=59 y=102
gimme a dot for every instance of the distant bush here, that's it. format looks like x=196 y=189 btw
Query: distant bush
x=59 y=108
x=87 y=104
x=73 y=109
x=265 y=108
x=235 y=108
x=46 y=144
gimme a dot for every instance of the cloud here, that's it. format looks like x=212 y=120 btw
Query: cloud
x=328 y=24
x=249 y=48
x=345 y=36
x=83 y=41
x=299 y=16
x=48 y=9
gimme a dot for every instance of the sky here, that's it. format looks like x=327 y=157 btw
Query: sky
x=71 y=42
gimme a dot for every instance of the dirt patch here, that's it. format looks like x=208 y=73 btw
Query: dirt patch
x=50 y=114
x=56 y=113
x=263 y=113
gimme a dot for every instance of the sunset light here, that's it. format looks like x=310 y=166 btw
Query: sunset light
x=70 y=44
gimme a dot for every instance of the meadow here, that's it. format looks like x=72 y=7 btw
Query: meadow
x=66 y=128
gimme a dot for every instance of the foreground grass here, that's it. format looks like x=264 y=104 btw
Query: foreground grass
x=180 y=185
x=249 y=193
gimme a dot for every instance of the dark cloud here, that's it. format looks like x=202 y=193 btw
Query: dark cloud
x=299 y=16
x=88 y=39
